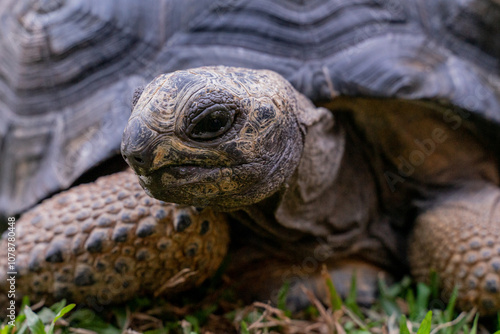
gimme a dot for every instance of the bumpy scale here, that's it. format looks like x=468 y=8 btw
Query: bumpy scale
x=459 y=239
x=107 y=241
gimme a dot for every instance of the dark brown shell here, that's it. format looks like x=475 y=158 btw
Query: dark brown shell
x=68 y=69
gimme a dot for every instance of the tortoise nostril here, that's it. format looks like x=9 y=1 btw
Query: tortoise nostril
x=139 y=160
x=135 y=160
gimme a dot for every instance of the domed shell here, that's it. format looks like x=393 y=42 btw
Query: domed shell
x=68 y=68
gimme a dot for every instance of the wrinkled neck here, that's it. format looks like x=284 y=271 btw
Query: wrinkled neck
x=301 y=202
x=334 y=190
x=331 y=203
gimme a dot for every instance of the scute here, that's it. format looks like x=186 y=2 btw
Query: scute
x=68 y=68
x=473 y=22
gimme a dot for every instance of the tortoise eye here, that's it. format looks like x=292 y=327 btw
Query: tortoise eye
x=211 y=123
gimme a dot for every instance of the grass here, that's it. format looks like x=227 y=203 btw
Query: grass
x=403 y=308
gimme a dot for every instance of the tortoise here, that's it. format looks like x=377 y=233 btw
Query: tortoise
x=320 y=187
x=413 y=88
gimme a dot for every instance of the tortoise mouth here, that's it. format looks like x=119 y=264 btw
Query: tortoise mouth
x=179 y=175
x=193 y=184
x=185 y=172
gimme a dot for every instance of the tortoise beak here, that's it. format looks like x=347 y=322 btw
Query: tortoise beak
x=136 y=146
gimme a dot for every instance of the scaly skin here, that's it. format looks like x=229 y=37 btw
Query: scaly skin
x=459 y=239
x=107 y=241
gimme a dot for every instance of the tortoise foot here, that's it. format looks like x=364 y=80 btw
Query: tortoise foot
x=459 y=239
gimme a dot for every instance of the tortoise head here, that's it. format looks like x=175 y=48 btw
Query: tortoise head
x=214 y=136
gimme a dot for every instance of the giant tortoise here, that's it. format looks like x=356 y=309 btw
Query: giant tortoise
x=393 y=165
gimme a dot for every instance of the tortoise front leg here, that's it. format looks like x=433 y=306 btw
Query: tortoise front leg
x=459 y=238
x=107 y=241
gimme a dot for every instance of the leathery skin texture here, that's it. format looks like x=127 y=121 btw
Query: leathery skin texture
x=107 y=241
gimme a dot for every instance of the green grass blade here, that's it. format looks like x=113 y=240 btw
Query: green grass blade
x=158 y=331
x=120 y=313
x=59 y=315
x=423 y=297
x=425 y=326
x=21 y=323
x=335 y=300
x=203 y=314
x=474 y=325
x=25 y=302
x=403 y=328
x=282 y=294
x=350 y=301
x=88 y=319
x=412 y=305
x=194 y=323
x=388 y=295
x=57 y=307
x=396 y=289
x=64 y=311
x=451 y=305
x=244 y=327
x=34 y=322
x=6 y=329
x=435 y=283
